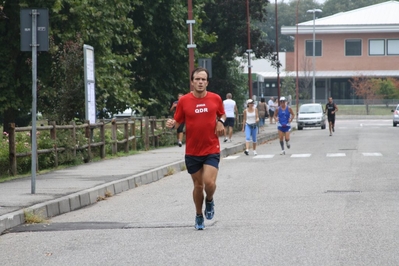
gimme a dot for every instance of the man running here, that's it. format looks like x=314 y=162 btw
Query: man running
x=203 y=113
x=331 y=109
x=284 y=116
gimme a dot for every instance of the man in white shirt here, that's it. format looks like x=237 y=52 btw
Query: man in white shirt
x=231 y=110
x=272 y=108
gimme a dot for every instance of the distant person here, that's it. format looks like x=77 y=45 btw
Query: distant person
x=180 y=129
x=203 y=113
x=331 y=109
x=230 y=108
x=263 y=112
x=249 y=126
x=272 y=108
x=284 y=116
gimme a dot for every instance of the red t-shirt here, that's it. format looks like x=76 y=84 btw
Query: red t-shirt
x=199 y=115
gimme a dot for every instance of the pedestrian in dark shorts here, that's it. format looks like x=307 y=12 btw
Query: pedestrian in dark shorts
x=180 y=129
x=230 y=108
x=331 y=109
x=203 y=114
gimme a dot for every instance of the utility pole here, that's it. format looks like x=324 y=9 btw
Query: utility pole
x=191 y=44
x=249 y=50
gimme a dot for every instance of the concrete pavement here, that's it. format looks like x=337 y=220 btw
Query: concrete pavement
x=66 y=190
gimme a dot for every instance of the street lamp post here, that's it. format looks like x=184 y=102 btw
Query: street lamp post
x=296 y=61
x=314 y=11
x=277 y=56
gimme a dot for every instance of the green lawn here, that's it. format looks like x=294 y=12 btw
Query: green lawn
x=361 y=110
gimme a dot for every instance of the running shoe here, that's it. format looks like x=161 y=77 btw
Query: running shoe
x=282 y=152
x=179 y=143
x=225 y=140
x=255 y=153
x=199 y=222
x=209 y=210
x=246 y=152
x=330 y=134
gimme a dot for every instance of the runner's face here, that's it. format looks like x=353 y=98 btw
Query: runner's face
x=200 y=82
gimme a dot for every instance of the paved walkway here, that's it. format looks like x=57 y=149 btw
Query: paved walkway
x=62 y=191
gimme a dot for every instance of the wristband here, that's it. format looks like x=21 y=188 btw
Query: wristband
x=221 y=120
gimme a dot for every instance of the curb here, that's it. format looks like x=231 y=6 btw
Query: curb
x=91 y=196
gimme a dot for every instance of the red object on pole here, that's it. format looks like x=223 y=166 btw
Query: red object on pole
x=277 y=57
x=296 y=62
x=190 y=50
x=249 y=53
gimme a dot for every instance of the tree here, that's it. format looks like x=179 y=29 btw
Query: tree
x=387 y=89
x=161 y=69
x=288 y=86
x=107 y=28
x=366 y=89
x=66 y=101
x=228 y=20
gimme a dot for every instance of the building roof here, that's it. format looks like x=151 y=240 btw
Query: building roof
x=377 y=18
x=259 y=65
x=333 y=74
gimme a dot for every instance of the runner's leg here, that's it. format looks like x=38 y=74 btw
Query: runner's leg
x=198 y=191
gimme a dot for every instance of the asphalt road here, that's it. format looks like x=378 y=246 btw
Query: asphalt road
x=328 y=201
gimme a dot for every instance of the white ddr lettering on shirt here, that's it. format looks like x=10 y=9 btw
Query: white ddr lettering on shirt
x=201 y=110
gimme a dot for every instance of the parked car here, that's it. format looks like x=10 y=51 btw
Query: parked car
x=395 y=117
x=311 y=115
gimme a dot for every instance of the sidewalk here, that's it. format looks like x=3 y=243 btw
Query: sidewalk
x=66 y=190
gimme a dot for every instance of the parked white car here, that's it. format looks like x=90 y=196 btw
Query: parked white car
x=395 y=117
x=311 y=115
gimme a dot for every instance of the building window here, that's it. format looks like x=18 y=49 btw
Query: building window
x=353 y=47
x=309 y=48
x=393 y=47
x=376 y=47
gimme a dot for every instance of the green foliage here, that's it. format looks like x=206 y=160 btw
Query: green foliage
x=228 y=21
x=160 y=70
x=288 y=86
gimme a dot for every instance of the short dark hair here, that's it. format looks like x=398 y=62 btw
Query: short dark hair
x=200 y=69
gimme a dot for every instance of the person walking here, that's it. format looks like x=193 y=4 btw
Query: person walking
x=263 y=113
x=272 y=108
x=249 y=126
x=230 y=107
x=284 y=116
x=204 y=116
x=331 y=109
x=180 y=129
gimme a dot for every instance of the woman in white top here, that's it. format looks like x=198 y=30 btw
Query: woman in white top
x=249 y=126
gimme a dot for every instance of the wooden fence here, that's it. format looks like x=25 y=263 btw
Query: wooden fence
x=149 y=129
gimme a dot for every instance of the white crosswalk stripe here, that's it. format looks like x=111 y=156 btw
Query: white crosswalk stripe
x=371 y=154
x=266 y=156
x=303 y=155
x=231 y=157
x=336 y=155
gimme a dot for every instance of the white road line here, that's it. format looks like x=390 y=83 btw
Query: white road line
x=304 y=155
x=265 y=156
x=371 y=154
x=336 y=155
x=231 y=157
